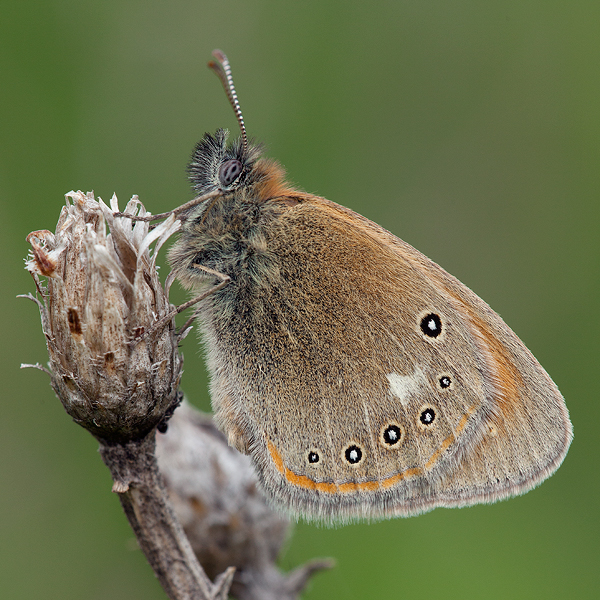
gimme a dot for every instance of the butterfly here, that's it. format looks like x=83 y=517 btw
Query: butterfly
x=363 y=380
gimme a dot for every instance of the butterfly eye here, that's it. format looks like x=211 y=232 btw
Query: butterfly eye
x=229 y=171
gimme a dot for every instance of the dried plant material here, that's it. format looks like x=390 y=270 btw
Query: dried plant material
x=115 y=365
x=114 y=374
x=213 y=490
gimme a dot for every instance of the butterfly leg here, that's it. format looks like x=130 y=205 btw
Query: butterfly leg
x=161 y=323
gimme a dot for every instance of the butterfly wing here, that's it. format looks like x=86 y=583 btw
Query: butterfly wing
x=365 y=381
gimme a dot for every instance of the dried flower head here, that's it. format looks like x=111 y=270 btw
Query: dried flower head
x=115 y=371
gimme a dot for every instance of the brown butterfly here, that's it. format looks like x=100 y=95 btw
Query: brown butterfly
x=362 y=378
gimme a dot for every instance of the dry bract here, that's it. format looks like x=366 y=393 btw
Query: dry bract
x=101 y=297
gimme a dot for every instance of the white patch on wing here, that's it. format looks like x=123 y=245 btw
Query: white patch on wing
x=404 y=386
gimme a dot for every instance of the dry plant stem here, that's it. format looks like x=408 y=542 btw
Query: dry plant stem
x=159 y=534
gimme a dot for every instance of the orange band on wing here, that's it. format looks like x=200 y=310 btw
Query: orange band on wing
x=507 y=378
x=306 y=482
x=368 y=486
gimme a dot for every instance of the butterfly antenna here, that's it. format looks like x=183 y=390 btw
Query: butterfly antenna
x=223 y=70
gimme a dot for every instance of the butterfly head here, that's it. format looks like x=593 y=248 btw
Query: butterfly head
x=228 y=232
x=229 y=168
x=216 y=165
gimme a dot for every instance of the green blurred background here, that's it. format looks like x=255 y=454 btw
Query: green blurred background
x=470 y=129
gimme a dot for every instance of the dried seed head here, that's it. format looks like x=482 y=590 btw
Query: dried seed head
x=100 y=298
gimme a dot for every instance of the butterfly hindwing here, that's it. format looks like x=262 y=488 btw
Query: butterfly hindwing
x=364 y=391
